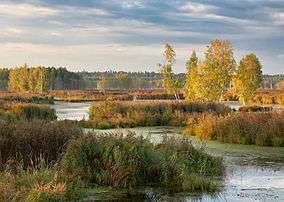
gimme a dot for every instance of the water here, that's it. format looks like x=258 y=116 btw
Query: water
x=252 y=173
x=71 y=111
x=79 y=111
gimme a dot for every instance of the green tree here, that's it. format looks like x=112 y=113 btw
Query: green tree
x=192 y=62
x=19 y=79
x=170 y=83
x=4 y=78
x=32 y=79
x=248 y=78
x=42 y=80
x=218 y=68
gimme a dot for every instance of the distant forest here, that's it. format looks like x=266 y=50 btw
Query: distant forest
x=40 y=79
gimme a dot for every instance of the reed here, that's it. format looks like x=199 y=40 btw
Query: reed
x=258 y=128
x=148 y=113
x=128 y=161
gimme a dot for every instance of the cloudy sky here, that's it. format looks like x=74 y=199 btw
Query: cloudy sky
x=130 y=35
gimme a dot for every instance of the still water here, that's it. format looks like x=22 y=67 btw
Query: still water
x=252 y=173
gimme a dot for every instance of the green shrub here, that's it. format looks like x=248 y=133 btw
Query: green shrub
x=132 y=114
x=128 y=161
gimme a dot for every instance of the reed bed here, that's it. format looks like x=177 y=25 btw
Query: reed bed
x=252 y=128
x=127 y=162
x=26 y=142
x=148 y=113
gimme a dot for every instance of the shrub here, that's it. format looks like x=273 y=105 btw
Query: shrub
x=128 y=161
x=27 y=141
x=131 y=114
x=259 y=128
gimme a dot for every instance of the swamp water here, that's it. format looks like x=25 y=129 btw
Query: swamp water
x=252 y=173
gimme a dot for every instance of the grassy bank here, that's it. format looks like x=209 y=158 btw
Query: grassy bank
x=259 y=128
x=161 y=113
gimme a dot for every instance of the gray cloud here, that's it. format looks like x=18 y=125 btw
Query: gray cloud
x=251 y=26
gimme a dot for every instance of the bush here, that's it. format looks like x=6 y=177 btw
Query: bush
x=27 y=141
x=128 y=161
x=132 y=114
x=259 y=128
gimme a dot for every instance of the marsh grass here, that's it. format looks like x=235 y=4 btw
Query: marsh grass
x=259 y=128
x=128 y=161
x=27 y=141
x=161 y=113
x=29 y=112
x=12 y=112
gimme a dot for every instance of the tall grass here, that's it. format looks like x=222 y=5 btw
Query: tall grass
x=132 y=114
x=53 y=161
x=259 y=128
x=24 y=111
x=127 y=161
x=26 y=142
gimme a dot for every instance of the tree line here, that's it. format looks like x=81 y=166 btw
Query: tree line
x=39 y=79
x=196 y=82
x=208 y=79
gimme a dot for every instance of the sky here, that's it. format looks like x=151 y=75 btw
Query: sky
x=99 y=35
